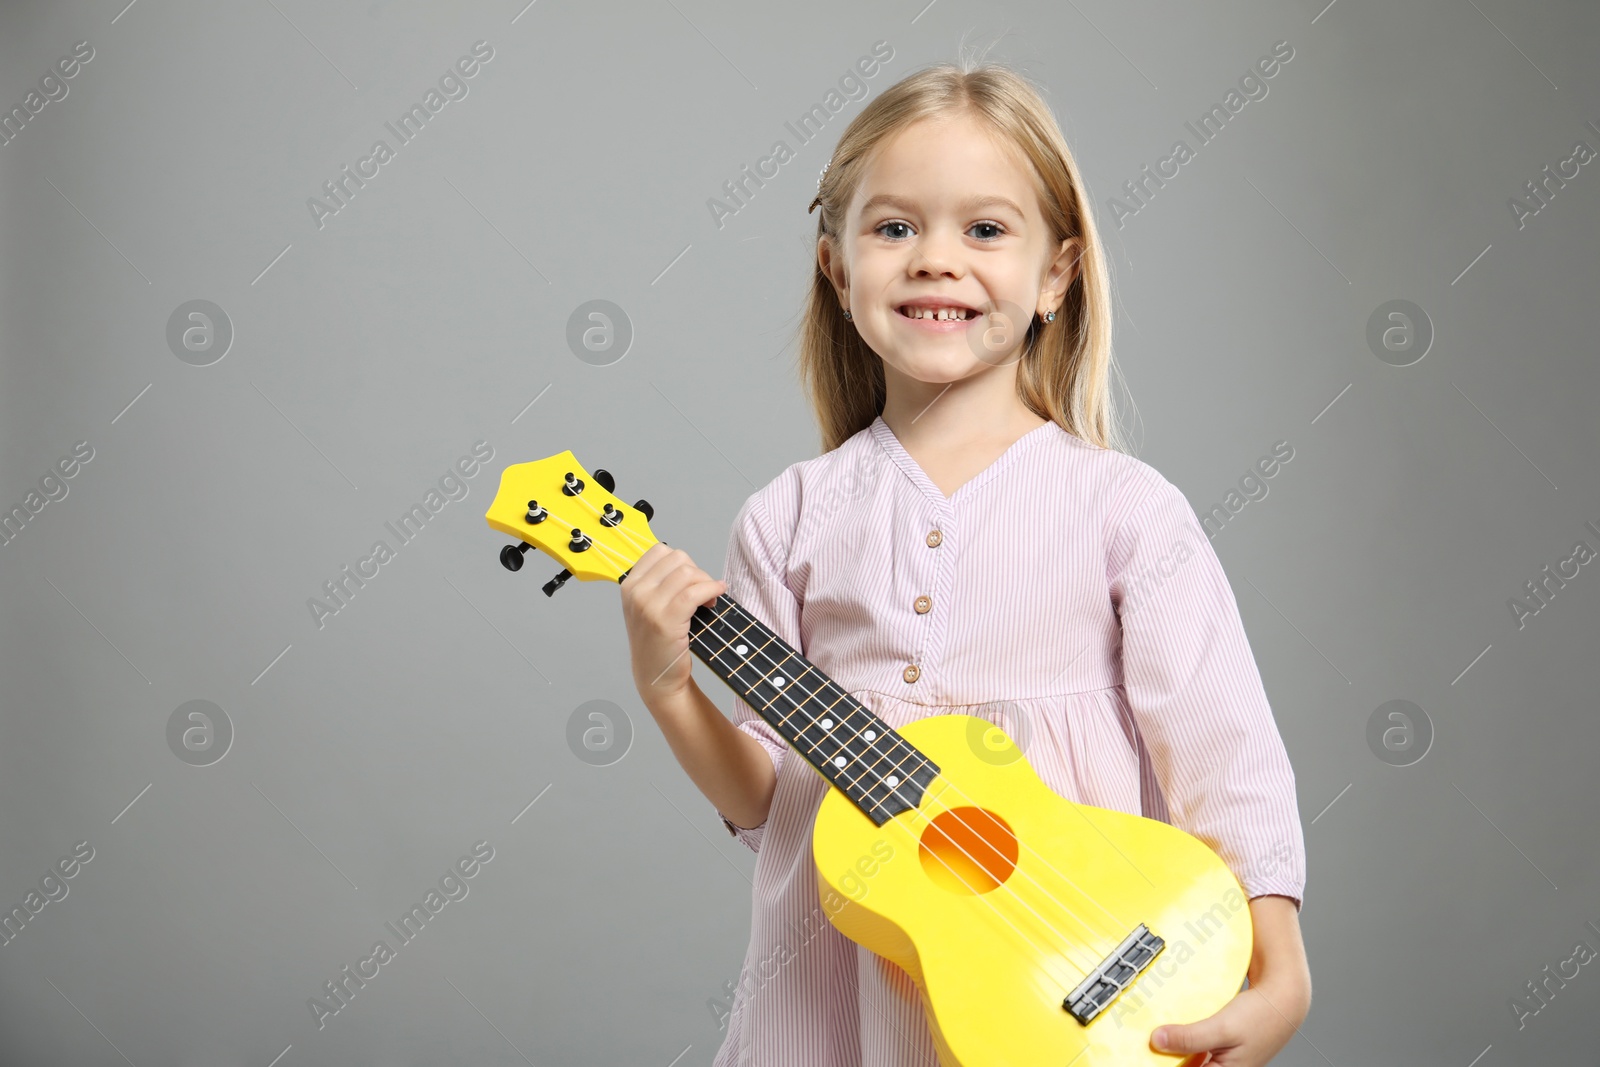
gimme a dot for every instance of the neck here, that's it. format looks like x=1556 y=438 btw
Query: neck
x=857 y=752
x=945 y=417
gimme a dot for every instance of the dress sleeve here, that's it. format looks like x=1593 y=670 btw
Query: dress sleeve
x=1196 y=695
x=754 y=571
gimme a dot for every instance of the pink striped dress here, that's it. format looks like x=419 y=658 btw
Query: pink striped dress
x=1066 y=593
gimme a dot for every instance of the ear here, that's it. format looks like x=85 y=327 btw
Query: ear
x=831 y=260
x=1064 y=269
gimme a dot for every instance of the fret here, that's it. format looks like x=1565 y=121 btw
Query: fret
x=858 y=753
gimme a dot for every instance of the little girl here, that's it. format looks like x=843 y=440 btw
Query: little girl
x=973 y=540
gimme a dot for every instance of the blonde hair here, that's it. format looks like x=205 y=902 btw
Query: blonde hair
x=1065 y=374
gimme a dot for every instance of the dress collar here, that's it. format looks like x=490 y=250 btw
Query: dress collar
x=896 y=451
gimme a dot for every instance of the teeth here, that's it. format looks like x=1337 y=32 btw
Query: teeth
x=941 y=314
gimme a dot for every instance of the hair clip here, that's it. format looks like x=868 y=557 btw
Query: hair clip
x=818 y=200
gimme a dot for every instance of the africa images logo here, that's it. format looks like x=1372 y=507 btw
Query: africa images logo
x=454 y=484
x=452 y=86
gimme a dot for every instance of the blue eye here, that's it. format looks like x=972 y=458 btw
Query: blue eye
x=882 y=226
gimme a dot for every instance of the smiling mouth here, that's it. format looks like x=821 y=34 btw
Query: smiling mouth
x=952 y=314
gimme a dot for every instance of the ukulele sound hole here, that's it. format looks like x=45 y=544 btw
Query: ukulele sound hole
x=968 y=850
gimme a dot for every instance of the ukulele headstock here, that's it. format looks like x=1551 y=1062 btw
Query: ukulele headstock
x=555 y=505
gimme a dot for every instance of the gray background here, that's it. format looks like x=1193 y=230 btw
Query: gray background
x=369 y=355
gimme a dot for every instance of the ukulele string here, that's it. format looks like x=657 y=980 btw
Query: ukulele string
x=871 y=744
x=1040 y=954
x=912 y=750
x=949 y=785
x=844 y=695
x=957 y=818
x=978 y=893
x=981 y=866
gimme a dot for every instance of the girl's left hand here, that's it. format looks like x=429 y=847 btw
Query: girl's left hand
x=1249 y=1030
x=1253 y=1026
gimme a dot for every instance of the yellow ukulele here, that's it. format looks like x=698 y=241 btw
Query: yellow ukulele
x=1038 y=931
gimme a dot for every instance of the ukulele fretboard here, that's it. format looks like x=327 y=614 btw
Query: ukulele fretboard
x=866 y=760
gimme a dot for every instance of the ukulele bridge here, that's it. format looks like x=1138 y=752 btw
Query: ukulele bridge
x=1115 y=973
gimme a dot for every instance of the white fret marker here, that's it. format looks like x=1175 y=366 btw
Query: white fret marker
x=869 y=734
x=826 y=723
x=777 y=680
x=741 y=649
x=838 y=761
x=893 y=780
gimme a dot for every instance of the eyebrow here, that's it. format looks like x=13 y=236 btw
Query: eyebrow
x=969 y=204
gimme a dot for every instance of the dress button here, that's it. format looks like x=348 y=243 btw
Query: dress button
x=923 y=605
x=911 y=673
x=934 y=537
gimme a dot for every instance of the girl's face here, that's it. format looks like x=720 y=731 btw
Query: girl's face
x=946 y=213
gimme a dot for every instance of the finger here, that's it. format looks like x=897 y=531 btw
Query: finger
x=1200 y=1037
x=660 y=570
x=648 y=561
x=693 y=594
x=676 y=579
x=704 y=593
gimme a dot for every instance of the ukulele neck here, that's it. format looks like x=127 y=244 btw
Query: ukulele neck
x=857 y=752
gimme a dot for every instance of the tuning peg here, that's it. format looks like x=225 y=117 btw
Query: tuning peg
x=511 y=555
x=557 y=582
x=643 y=506
x=572 y=485
x=603 y=476
x=536 y=514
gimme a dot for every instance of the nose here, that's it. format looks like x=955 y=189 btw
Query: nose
x=937 y=253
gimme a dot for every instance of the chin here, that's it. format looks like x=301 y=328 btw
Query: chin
x=939 y=368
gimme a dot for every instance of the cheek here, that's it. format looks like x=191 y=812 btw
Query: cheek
x=871 y=270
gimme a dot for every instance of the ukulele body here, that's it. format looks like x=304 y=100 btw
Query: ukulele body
x=995 y=916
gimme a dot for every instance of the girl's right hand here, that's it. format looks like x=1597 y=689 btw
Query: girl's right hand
x=659 y=596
